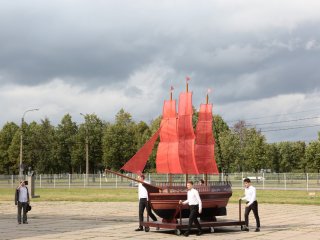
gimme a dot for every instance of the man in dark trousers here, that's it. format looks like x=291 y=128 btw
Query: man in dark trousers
x=195 y=206
x=22 y=200
x=143 y=203
x=251 y=204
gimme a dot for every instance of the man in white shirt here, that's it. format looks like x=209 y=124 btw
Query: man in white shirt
x=251 y=204
x=22 y=200
x=143 y=203
x=195 y=206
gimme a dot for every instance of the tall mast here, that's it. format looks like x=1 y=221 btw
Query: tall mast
x=206 y=175
x=170 y=175
x=187 y=90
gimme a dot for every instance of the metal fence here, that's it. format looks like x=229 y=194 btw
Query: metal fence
x=281 y=181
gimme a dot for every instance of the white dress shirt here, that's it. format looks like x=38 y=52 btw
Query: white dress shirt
x=250 y=195
x=142 y=191
x=23 y=194
x=194 y=198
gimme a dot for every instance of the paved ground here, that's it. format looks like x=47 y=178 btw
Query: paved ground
x=77 y=220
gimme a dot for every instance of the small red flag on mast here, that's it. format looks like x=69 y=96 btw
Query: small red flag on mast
x=188 y=78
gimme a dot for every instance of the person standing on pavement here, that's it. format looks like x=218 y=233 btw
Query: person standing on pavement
x=251 y=204
x=143 y=203
x=22 y=200
x=195 y=206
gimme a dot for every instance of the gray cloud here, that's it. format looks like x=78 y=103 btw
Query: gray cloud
x=246 y=51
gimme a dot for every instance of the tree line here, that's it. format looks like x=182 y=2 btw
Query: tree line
x=49 y=149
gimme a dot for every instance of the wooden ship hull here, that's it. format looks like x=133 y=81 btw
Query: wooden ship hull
x=164 y=199
x=214 y=199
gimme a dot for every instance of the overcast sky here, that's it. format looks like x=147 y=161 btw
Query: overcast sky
x=260 y=58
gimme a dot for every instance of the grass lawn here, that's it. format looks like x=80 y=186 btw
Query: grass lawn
x=131 y=195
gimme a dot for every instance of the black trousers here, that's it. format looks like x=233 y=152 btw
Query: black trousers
x=22 y=206
x=193 y=217
x=254 y=208
x=143 y=203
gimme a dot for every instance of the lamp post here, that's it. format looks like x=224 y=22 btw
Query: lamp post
x=87 y=148
x=21 y=140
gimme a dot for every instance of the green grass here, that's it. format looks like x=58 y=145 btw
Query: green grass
x=131 y=195
x=281 y=197
x=77 y=194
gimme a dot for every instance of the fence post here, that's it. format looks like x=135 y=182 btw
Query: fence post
x=241 y=179
x=116 y=181
x=40 y=181
x=263 y=180
x=69 y=180
x=100 y=180
x=12 y=181
x=307 y=182
x=54 y=181
x=285 y=181
x=84 y=180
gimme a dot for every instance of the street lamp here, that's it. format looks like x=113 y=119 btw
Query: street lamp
x=87 y=148
x=21 y=140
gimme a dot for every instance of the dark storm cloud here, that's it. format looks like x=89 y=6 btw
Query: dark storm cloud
x=248 y=51
x=81 y=43
x=40 y=44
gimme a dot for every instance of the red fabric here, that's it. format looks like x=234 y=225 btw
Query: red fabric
x=167 y=160
x=186 y=134
x=204 y=149
x=137 y=163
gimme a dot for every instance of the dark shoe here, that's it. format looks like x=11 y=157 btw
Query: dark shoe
x=257 y=230
x=199 y=233
x=245 y=229
x=25 y=222
x=186 y=234
x=139 y=229
x=19 y=222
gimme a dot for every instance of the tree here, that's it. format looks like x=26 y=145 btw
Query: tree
x=288 y=158
x=95 y=132
x=6 y=136
x=119 y=143
x=312 y=156
x=41 y=141
x=240 y=129
x=93 y=128
x=273 y=158
x=220 y=127
x=66 y=141
x=14 y=153
x=229 y=154
x=255 y=150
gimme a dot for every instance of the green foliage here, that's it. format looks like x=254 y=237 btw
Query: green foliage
x=119 y=141
x=313 y=156
x=66 y=133
x=220 y=128
x=254 y=150
x=7 y=162
x=62 y=149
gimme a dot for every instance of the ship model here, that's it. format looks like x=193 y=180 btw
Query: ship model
x=182 y=150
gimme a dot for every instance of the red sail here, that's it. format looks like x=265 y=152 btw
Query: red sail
x=137 y=163
x=186 y=134
x=204 y=149
x=167 y=160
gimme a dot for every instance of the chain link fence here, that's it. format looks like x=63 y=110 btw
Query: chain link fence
x=280 y=181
